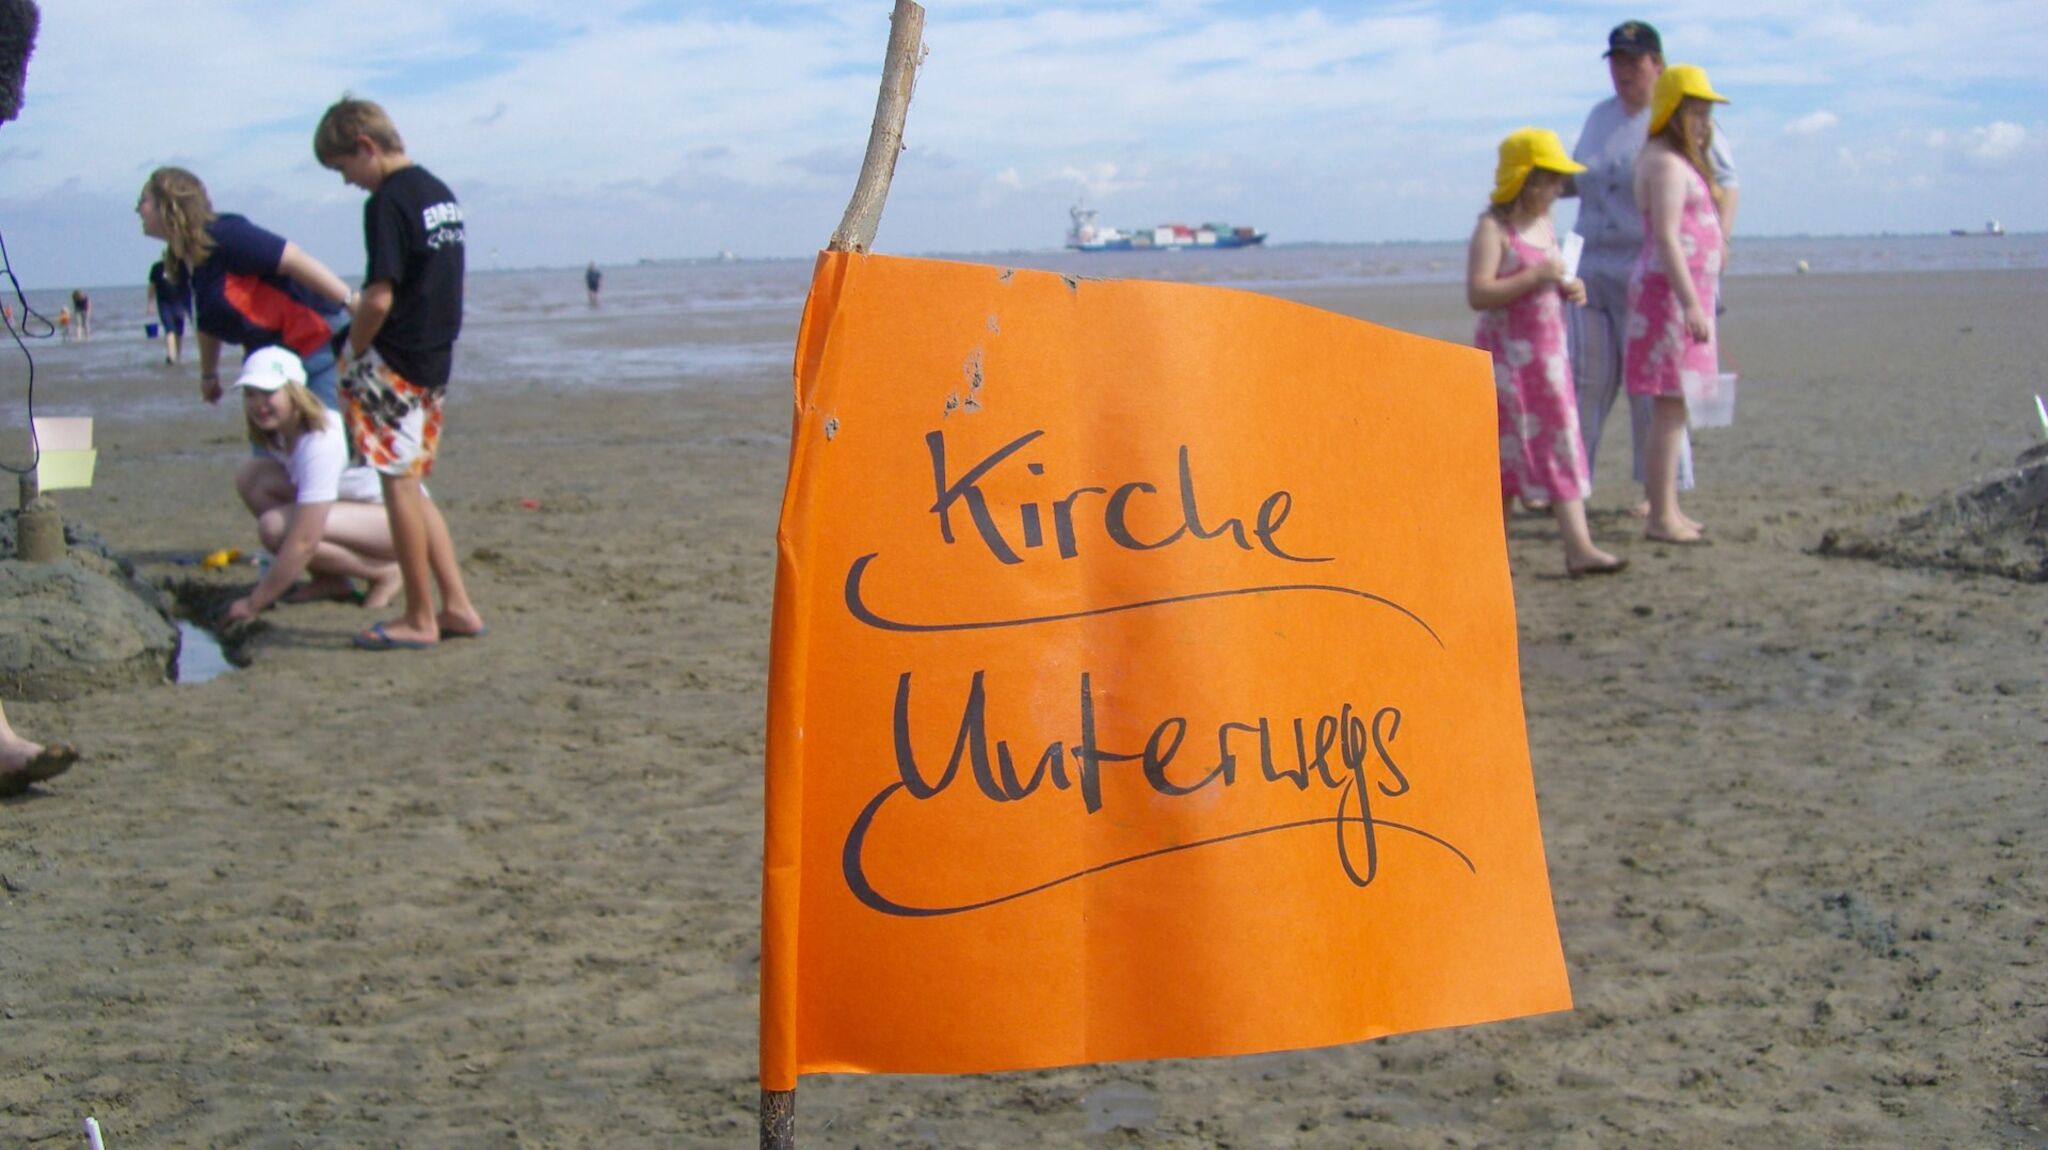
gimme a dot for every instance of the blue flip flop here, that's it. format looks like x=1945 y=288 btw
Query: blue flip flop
x=377 y=640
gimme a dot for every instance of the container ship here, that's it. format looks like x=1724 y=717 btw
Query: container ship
x=1991 y=228
x=1087 y=236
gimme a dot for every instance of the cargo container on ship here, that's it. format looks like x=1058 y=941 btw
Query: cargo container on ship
x=1088 y=236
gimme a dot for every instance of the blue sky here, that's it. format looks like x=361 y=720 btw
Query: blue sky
x=628 y=129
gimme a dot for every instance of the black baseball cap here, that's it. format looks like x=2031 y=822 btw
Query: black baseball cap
x=1635 y=38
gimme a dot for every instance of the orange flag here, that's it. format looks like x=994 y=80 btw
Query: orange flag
x=1144 y=683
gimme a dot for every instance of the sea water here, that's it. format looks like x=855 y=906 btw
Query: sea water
x=686 y=324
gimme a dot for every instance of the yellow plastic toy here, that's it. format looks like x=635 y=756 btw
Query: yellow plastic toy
x=221 y=558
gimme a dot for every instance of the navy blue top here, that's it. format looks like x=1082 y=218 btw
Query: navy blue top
x=241 y=299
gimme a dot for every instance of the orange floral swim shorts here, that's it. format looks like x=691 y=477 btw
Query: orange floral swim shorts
x=394 y=424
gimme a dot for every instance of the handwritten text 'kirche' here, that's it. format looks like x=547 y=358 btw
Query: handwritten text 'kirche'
x=963 y=488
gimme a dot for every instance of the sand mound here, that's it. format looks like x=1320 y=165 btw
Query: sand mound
x=78 y=625
x=1996 y=526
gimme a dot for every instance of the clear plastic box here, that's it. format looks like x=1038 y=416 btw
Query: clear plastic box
x=1710 y=401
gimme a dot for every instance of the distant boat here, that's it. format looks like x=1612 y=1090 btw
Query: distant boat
x=1991 y=228
x=1087 y=236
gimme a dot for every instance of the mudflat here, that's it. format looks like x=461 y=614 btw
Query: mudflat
x=505 y=892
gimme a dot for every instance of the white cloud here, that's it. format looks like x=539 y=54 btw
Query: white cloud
x=1995 y=142
x=1812 y=123
x=622 y=128
x=1098 y=180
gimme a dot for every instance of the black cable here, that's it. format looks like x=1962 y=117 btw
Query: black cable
x=29 y=316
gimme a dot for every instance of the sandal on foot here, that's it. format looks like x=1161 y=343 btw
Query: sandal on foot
x=53 y=760
x=377 y=639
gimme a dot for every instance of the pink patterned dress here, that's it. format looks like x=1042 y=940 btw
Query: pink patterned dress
x=1660 y=354
x=1541 y=454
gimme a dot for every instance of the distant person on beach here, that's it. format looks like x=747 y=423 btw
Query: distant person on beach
x=24 y=764
x=250 y=287
x=313 y=511
x=81 y=312
x=64 y=323
x=172 y=299
x=1515 y=279
x=593 y=282
x=1613 y=135
x=1677 y=276
x=402 y=352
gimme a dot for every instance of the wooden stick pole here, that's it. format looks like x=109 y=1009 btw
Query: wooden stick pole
x=885 y=139
x=778 y=1120
x=857 y=234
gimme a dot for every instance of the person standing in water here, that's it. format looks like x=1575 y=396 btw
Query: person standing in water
x=172 y=299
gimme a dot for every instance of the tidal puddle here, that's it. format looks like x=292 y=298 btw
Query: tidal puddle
x=1121 y=1106
x=200 y=657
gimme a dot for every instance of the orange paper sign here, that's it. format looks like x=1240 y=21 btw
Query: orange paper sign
x=1144 y=683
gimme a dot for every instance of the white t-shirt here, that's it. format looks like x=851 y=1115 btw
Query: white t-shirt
x=319 y=467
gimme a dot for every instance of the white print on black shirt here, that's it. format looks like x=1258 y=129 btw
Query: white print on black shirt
x=443 y=222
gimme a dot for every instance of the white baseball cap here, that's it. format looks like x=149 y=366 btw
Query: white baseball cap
x=270 y=368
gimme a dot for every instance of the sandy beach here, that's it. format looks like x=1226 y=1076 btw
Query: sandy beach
x=505 y=893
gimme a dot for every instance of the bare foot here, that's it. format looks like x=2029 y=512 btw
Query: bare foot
x=15 y=752
x=1680 y=532
x=384 y=589
x=1595 y=562
x=323 y=589
x=464 y=626
x=1642 y=511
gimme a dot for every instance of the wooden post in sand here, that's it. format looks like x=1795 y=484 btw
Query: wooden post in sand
x=856 y=233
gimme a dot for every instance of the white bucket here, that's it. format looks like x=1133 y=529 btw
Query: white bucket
x=1710 y=401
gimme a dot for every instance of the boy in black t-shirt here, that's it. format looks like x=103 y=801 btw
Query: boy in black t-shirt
x=409 y=314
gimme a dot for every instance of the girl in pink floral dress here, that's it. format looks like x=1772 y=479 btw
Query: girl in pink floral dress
x=1671 y=292
x=1515 y=279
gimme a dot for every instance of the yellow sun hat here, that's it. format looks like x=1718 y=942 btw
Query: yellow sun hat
x=1673 y=86
x=1525 y=150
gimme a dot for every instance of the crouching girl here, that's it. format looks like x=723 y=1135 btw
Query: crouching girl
x=313 y=511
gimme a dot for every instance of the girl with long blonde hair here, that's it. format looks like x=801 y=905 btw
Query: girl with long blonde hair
x=1671 y=332
x=250 y=287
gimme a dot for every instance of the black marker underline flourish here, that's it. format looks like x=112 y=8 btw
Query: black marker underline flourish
x=857 y=879
x=861 y=611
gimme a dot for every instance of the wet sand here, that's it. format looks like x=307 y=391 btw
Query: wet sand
x=505 y=892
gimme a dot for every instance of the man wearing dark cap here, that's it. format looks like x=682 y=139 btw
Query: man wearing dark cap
x=1615 y=131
